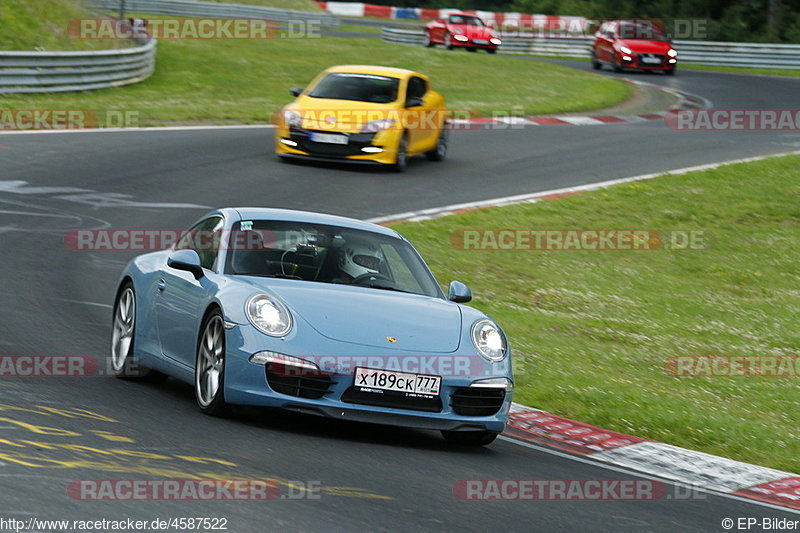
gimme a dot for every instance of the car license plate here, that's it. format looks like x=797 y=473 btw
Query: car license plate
x=651 y=60
x=329 y=138
x=480 y=41
x=386 y=380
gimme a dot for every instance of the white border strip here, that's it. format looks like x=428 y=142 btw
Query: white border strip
x=436 y=212
x=154 y=128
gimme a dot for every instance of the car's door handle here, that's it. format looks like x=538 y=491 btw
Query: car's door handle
x=162 y=285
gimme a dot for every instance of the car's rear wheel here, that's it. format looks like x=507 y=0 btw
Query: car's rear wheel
x=123 y=337
x=426 y=40
x=440 y=150
x=209 y=368
x=469 y=438
x=448 y=41
x=595 y=63
x=401 y=160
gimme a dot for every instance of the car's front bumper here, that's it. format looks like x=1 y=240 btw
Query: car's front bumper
x=246 y=383
x=295 y=143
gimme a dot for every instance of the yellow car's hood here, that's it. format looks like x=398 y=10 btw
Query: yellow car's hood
x=342 y=115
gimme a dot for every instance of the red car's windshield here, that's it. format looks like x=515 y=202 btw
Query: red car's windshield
x=469 y=20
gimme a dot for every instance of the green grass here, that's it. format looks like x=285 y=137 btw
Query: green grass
x=296 y=5
x=591 y=331
x=745 y=70
x=42 y=25
x=246 y=81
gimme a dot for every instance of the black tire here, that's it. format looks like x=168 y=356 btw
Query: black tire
x=615 y=64
x=426 y=41
x=209 y=366
x=448 y=41
x=440 y=150
x=471 y=49
x=670 y=72
x=469 y=438
x=401 y=162
x=123 y=338
x=596 y=65
x=492 y=50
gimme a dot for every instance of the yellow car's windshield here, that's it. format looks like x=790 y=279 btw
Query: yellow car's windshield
x=358 y=87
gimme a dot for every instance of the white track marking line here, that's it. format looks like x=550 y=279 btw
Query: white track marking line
x=143 y=129
x=435 y=212
x=644 y=475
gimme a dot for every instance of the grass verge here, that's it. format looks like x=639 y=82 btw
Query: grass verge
x=226 y=81
x=591 y=330
x=744 y=70
x=43 y=25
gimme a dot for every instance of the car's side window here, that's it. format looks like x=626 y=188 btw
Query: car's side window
x=417 y=87
x=204 y=238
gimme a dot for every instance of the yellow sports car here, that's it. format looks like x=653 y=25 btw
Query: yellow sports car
x=364 y=114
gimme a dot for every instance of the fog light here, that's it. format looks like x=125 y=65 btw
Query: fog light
x=288 y=142
x=461 y=38
x=626 y=58
x=372 y=149
x=673 y=60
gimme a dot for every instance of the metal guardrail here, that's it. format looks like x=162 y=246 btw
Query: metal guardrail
x=189 y=8
x=40 y=72
x=757 y=55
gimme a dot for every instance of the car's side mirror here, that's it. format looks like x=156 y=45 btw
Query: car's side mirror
x=440 y=21
x=296 y=91
x=459 y=292
x=187 y=260
x=413 y=101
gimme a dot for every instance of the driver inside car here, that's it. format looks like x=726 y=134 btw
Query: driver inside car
x=358 y=260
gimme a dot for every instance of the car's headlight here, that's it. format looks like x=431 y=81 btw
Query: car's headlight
x=489 y=340
x=462 y=38
x=672 y=53
x=269 y=315
x=377 y=125
x=291 y=118
x=495 y=40
x=625 y=50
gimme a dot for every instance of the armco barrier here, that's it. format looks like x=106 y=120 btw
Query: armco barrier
x=758 y=55
x=38 y=72
x=188 y=8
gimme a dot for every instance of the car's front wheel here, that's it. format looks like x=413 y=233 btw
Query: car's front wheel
x=670 y=72
x=448 y=41
x=123 y=337
x=595 y=63
x=209 y=368
x=401 y=160
x=426 y=40
x=469 y=438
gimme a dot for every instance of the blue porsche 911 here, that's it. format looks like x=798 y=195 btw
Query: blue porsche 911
x=312 y=313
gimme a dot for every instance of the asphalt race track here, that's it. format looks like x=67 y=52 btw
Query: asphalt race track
x=55 y=301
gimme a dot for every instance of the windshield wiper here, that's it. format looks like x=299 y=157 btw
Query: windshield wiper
x=384 y=287
x=282 y=276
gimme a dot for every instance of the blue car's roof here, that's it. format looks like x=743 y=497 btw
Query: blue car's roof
x=266 y=213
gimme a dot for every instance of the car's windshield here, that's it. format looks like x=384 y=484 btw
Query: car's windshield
x=359 y=87
x=465 y=19
x=327 y=254
x=639 y=30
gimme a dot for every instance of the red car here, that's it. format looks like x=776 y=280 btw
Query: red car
x=463 y=31
x=633 y=44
